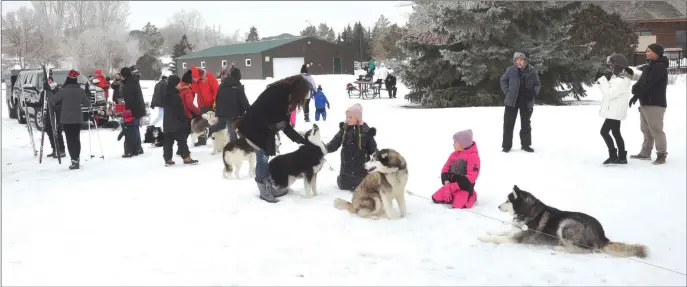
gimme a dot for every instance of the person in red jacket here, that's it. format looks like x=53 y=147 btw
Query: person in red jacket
x=187 y=95
x=205 y=87
x=103 y=83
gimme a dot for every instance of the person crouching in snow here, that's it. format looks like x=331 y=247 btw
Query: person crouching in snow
x=357 y=143
x=129 y=133
x=460 y=173
x=321 y=104
x=616 y=93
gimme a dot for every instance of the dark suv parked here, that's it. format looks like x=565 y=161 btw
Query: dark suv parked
x=26 y=91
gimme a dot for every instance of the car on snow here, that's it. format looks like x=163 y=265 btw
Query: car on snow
x=24 y=102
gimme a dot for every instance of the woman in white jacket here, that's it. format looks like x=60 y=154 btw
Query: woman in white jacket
x=616 y=91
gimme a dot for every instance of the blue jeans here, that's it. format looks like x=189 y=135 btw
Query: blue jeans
x=262 y=169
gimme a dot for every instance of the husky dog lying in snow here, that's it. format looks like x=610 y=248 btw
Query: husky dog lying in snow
x=303 y=163
x=375 y=194
x=573 y=232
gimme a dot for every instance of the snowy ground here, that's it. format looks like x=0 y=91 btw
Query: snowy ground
x=135 y=222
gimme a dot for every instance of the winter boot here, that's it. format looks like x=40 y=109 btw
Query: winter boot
x=307 y=118
x=612 y=156
x=527 y=149
x=189 y=160
x=75 y=164
x=622 y=157
x=169 y=162
x=202 y=140
x=52 y=154
x=660 y=158
x=641 y=156
x=127 y=155
x=266 y=192
x=506 y=149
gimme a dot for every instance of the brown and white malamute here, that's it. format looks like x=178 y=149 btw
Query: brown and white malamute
x=386 y=181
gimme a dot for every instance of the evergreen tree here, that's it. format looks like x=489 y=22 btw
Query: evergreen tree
x=331 y=36
x=180 y=49
x=310 y=31
x=252 y=35
x=459 y=50
x=149 y=66
x=608 y=33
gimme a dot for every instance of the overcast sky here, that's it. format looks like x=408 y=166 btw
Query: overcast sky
x=271 y=18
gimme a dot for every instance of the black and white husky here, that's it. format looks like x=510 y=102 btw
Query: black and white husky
x=303 y=163
x=567 y=231
x=238 y=151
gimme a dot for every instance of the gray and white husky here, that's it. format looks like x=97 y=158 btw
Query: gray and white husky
x=573 y=232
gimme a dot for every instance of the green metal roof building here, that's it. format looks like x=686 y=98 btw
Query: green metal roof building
x=274 y=58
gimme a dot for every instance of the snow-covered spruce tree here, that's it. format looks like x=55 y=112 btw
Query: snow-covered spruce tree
x=608 y=34
x=181 y=48
x=476 y=41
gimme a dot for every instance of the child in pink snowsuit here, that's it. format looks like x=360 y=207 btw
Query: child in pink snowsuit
x=460 y=173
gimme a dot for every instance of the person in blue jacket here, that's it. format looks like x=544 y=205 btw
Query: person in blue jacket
x=320 y=103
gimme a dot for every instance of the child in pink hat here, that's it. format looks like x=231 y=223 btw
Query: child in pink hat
x=460 y=173
x=357 y=143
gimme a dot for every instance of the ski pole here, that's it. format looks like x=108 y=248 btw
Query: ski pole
x=90 y=148
x=97 y=133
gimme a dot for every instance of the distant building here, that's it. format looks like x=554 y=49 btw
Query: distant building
x=660 y=22
x=274 y=58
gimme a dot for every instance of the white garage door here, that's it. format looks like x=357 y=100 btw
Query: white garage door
x=286 y=67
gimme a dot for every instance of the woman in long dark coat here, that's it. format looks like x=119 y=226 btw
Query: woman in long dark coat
x=268 y=115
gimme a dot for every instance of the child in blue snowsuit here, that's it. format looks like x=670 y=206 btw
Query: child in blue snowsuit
x=320 y=104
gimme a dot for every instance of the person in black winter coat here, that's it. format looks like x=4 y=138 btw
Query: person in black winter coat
x=231 y=103
x=175 y=123
x=650 y=90
x=268 y=115
x=133 y=100
x=156 y=102
x=72 y=98
x=390 y=85
x=52 y=88
x=357 y=143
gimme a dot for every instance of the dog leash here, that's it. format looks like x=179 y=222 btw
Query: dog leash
x=526 y=228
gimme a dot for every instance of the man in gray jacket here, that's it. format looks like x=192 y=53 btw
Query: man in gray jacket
x=520 y=83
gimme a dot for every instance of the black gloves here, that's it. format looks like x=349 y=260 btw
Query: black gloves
x=633 y=100
x=328 y=107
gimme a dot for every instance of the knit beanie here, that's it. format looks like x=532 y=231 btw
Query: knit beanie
x=187 y=77
x=125 y=72
x=304 y=69
x=319 y=87
x=657 y=48
x=172 y=83
x=357 y=111
x=463 y=138
x=235 y=73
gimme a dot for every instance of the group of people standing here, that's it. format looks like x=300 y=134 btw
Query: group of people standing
x=68 y=100
x=520 y=83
